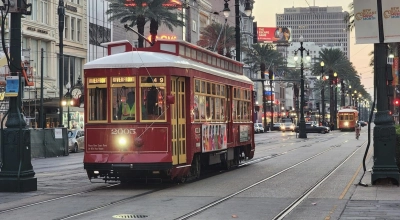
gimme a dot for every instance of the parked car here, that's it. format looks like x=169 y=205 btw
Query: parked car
x=311 y=128
x=287 y=126
x=258 y=128
x=275 y=127
x=76 y=140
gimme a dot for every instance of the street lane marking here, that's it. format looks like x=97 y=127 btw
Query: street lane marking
x=328 y=217
x=353 y=178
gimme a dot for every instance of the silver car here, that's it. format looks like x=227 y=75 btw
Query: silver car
x=76 y=140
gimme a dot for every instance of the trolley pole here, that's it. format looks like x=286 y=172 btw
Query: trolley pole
x=385 y=166
x=17 y=173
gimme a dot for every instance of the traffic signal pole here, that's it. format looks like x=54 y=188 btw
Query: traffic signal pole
x=384 y=137
x=17 y=173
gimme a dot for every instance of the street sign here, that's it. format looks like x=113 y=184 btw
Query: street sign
x=12 y=86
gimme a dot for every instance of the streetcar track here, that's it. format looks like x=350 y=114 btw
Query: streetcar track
x=253 y=161
x=302 y=197
x=215 y=203
x=57 y=198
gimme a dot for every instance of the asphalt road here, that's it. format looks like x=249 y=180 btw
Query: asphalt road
x=284 y=168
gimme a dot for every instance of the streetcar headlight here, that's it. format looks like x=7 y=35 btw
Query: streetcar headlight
x=346 y=124
x=122 y=141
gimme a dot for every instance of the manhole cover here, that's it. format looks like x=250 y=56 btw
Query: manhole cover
x=129 y=216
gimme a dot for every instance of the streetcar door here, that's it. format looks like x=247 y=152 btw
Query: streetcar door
x=178 y=120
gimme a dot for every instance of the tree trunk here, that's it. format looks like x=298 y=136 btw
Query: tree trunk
x=153 y=30
x=141 y=21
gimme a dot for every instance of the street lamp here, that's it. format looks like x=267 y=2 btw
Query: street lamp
x=302 y=127
x=68 y=102
x=323 y=92
x=333 y=102
x=247 y=12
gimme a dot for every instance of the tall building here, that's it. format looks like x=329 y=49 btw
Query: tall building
x=323 y=25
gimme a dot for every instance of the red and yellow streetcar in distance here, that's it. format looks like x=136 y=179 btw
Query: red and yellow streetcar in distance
x=347 y=118
x=165 y=111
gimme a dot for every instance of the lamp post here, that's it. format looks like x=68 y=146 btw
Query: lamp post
x=247 y=11
x=333 y=101
x=323 y=92
x=349 y=94
x=61 y=13
x=68 y=102
x=16 y=174
x=302 y=127
x=342 y=89
x=262 y=69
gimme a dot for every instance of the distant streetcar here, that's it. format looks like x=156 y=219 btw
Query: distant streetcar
x=347 y=118
x=165 y=111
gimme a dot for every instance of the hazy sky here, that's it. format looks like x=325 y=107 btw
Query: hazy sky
x=265 y=10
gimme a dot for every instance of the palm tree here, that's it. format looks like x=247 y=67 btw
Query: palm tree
x=143 y=11
x=349 y=18
x=263 y=53
x=209 y=36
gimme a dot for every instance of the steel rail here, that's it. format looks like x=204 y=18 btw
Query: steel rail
x=301 y=198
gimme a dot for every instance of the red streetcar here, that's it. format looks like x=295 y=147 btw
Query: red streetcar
x=165 y=112
x=347 y=118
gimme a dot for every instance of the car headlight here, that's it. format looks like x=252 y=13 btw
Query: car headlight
x=291 y=127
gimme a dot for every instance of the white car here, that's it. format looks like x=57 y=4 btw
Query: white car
x=258 y=128
x=76 y=140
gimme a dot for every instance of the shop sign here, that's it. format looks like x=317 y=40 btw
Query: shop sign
x=37 y=30
x=71 y=8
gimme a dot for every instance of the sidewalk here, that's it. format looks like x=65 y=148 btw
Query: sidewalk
x=373 y=202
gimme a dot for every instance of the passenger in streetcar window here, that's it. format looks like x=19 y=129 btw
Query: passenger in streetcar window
x=127 y=109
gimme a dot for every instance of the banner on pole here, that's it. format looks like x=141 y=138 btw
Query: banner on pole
x=391 y=20
x=366 y=21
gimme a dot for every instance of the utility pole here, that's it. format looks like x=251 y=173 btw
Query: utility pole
x=384 y=131
x=61 y=14
x=17 y=173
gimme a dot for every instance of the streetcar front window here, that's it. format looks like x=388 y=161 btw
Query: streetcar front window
x=152 y=98
x=97 y=104
x=123 y=103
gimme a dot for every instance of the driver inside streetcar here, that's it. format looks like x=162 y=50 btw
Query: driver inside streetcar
x=127 y=109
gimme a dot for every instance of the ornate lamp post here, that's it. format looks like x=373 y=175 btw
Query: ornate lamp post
x=247 y=11
x=302 y=127
x=68 y=102
x=323 y=91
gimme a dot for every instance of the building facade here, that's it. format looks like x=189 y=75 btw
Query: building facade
x=322 y=25
x=40 y=32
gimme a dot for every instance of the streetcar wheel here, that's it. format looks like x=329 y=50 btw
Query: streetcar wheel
x=195 y=169
x=76 y=148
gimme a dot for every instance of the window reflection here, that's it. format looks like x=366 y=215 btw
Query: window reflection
x=153 y=103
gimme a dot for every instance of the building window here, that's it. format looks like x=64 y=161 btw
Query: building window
x=66 y=27
x=78 y=30
x=72 y=28
x=34 y=10
x=194 y=26
x=45 y=12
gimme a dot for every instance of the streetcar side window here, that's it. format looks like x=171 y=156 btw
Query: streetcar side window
x=97 y=104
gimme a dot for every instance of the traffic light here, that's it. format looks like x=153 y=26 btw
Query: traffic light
x=270 y=75
x=317 y=105
x=255 y=34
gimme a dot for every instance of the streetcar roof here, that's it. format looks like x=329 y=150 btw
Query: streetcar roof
x=347 y=110
x=141 y=59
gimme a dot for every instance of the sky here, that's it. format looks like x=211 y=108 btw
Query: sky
x=265 y=11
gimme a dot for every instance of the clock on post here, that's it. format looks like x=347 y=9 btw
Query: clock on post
x=77 y=91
